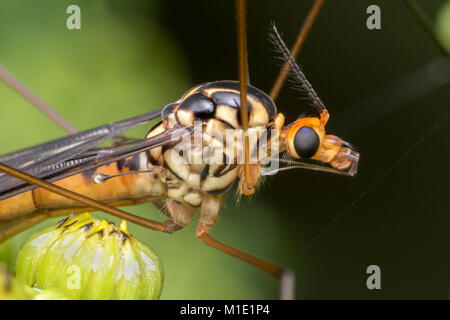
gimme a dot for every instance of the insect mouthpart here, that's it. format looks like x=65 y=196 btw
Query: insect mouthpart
x=339 y=155
x=345 y=164
x=334 y=155
x=346 y=161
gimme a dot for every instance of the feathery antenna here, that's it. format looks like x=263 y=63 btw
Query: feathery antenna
x=295 y=70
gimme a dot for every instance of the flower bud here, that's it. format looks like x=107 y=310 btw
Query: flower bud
x=49 y=294
x=13 y=289
x=86 y=258
x=6 y=254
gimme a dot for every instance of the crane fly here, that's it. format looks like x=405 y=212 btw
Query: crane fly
x=74 y=173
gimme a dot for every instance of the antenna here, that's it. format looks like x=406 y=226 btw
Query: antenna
x=295 y=70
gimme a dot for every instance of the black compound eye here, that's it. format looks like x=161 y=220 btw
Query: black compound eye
x=306 y=142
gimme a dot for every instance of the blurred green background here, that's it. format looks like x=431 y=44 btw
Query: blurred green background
x=385 y=89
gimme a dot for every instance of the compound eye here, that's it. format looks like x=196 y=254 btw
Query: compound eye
x=306 y=142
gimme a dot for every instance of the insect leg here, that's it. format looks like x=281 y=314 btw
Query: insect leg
x=154 y=225
x=208 y=213
x=19 y=87
x=286 y=276
x=180 y=215
x=301 y=37
x=241 y=24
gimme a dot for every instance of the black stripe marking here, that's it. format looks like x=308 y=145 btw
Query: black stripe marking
x=170 y=169
x=202 y=107
x=265 y=136
x=219 y=170
x=221 y=190
x=154 y=127
x=231 y=99
x=204 y=173
x=255 y=93
x=132 y=163
x=151 y=159
x=224 y=170
x=193 y=89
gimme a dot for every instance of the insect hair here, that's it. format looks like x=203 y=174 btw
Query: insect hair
x=294 y=70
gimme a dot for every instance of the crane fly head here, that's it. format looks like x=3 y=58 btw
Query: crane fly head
x=306 y=139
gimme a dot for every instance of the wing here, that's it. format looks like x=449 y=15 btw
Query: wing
x=97 y=157
x=68 y=152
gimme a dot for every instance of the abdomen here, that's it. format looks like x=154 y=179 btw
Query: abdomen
x=39 y=204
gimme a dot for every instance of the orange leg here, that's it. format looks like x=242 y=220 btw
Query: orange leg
x=286 y=276
x=301 y=37
x=241 y=24
x=163 y=227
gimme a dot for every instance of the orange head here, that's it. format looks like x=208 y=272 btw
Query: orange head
x=306 y=139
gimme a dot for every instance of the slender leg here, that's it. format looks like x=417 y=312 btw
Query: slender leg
x=286 y=276
x=180 y=215
x=301 y=37
x=86 y=200
x=19 y=87
x=241 y=25
x=209 y=212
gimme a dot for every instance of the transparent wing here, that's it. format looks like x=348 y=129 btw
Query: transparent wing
x=43 y=159
x=93 y=158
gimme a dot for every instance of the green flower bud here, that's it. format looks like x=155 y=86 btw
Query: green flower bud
x=85 y=258
x=13 y=289
x=49 y=294
x=6 y=254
